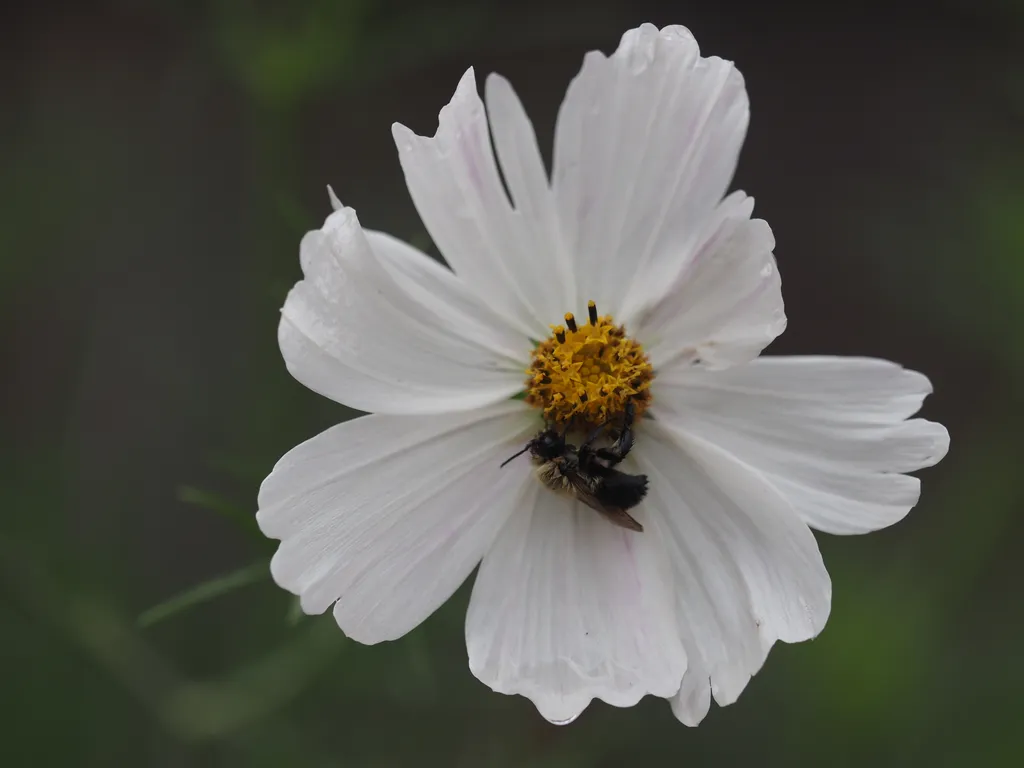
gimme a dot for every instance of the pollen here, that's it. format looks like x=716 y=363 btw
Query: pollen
x=584 y=375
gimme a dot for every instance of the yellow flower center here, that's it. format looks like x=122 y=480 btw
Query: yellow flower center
x=584 y=375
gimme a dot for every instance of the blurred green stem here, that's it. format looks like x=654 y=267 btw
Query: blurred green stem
x=193 y=711
x=204 y=592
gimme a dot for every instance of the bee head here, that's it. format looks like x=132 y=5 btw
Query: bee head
x=548 y=445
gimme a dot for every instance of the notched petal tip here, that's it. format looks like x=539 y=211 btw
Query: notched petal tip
x=466 y=91
x=939 y=443
x=405 y=138
x=363 y=632
x=466 y=97
x=677 y=33
x=497 y=86
x=648 y=33
x=736 y=205
x=335 y=202
x=467 y=82
x=566 y=709
x=341 y=221
x=557 y=710
x=923 y=385
x=284 y=571
x=761 y=235
x=693 y=701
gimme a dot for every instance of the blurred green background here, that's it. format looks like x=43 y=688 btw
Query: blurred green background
x=161 y=160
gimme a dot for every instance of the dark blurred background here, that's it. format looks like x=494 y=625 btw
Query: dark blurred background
x=160 y=161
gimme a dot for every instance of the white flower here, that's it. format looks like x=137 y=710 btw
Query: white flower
x=385 y=516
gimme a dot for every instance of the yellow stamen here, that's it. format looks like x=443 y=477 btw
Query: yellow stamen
x=587 y=374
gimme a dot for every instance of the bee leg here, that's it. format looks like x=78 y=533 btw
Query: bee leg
x=627 y=422
x=618 y=450
x=596 y=433
x=629 y=415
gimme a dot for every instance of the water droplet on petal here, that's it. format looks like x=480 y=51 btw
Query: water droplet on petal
x=675 y=32
x=767 y=269
x=563 y=722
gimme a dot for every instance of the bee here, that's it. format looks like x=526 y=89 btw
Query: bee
x=588 y=473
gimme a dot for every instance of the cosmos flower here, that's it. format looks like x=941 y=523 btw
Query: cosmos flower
x=384 y=516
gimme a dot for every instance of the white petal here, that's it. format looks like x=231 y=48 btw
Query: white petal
x=725 y=306
x=441 y=291
x=444 y=294
x=830 y=433
x=544 y=251
x=645 y=147
x=388 y=515
x=504 y=255
x=568 y=607
x=691 y=704
x=350 y=332
x=336 y=204
x=746 y=567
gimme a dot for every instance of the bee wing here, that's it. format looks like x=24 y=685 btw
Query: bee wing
x=585 y=492
x=619 y=517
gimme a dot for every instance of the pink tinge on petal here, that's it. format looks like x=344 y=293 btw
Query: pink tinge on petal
x=352 y=332
x=725 y=305
x=746 y=571
x=568 y=608
x=645 y=147
x=503 y=253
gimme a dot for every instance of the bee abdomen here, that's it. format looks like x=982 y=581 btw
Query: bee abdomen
x=623 y=490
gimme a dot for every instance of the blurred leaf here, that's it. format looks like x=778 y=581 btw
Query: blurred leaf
x=420 y=239
x=246 y=469
x=295 y=613
x=222 y=506
x=294 y=216
x=283 y=52
x=205 y=592
x=987 y=480
x=203 y=710
x=91 y=624
x=87 y=620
